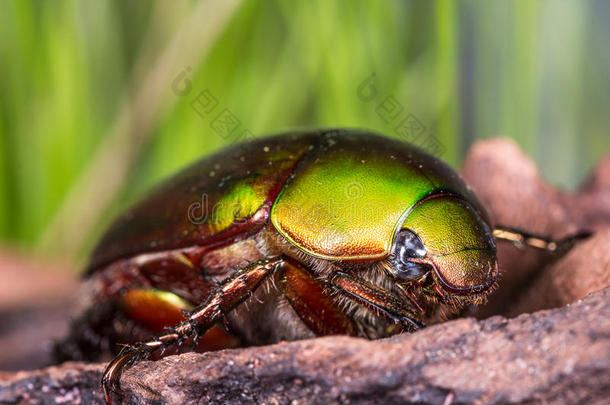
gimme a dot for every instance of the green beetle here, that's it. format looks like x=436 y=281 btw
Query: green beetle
x=283 y=238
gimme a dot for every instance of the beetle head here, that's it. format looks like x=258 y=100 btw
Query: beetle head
x=444 y=235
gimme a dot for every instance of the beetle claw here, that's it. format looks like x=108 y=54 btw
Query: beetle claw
x=112 y=373
x=411 y=325
x=195 y=339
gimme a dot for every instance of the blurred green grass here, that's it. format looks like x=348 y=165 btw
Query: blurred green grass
x=534 y=71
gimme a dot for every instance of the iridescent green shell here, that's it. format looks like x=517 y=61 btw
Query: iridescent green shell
x=339 y=195
x=352 y=192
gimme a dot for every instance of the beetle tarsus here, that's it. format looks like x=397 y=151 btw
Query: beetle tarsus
x=231 y=293
x=112 y=373
x=131 y=354
x=522 y=238
x=410 y=324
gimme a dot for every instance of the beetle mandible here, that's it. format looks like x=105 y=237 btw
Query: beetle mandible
x=294 y=236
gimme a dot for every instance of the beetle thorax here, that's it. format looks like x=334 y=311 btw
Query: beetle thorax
x=378 y=273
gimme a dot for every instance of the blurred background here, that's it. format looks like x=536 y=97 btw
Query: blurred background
x=99 y=100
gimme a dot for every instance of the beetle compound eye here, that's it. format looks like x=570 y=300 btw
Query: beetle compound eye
x=410 y=270
x=407 y=246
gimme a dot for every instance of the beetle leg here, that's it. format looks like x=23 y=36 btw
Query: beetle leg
x=378 y=298
x=229 y=294
x=520 y=238
x=312 y=302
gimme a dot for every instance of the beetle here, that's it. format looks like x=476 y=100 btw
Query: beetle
x=294 y=236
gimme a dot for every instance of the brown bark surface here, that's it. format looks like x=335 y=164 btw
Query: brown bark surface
x=557 y=356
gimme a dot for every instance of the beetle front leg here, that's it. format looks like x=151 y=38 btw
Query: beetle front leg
x=377 y=298
x=229 y=294
x=523 y=238
x=313 y=302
